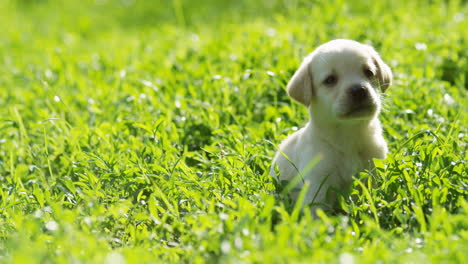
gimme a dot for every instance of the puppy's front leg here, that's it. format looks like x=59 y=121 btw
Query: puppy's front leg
x=320 y=195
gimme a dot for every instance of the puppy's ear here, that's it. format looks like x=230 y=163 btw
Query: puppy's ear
x=300 y=86
x=384 y=73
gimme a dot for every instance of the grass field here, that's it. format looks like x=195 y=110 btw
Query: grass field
x=143 y=131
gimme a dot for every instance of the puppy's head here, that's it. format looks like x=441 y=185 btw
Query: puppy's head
x=341 y=79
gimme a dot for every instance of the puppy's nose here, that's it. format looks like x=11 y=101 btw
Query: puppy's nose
x=358 y=92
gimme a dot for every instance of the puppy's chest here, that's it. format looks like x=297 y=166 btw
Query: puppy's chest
x=352 y=164
x=340 y=165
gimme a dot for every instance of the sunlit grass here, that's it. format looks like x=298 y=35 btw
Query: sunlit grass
x=143 y=132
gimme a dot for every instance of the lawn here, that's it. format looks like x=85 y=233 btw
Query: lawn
x=139 y=131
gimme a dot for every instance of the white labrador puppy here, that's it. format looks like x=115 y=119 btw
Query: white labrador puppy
x=340 y=84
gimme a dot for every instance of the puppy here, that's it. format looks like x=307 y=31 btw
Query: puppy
x=340 y=84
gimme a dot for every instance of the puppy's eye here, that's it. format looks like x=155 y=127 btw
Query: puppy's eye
x=330 y=80
x=368 y=73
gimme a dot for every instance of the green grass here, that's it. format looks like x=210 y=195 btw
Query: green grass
x=143 y=131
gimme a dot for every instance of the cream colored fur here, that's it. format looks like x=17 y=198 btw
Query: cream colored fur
x=340 y=84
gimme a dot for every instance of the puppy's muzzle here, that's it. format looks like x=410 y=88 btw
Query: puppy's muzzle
x=358 y=93
x=360 y=102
